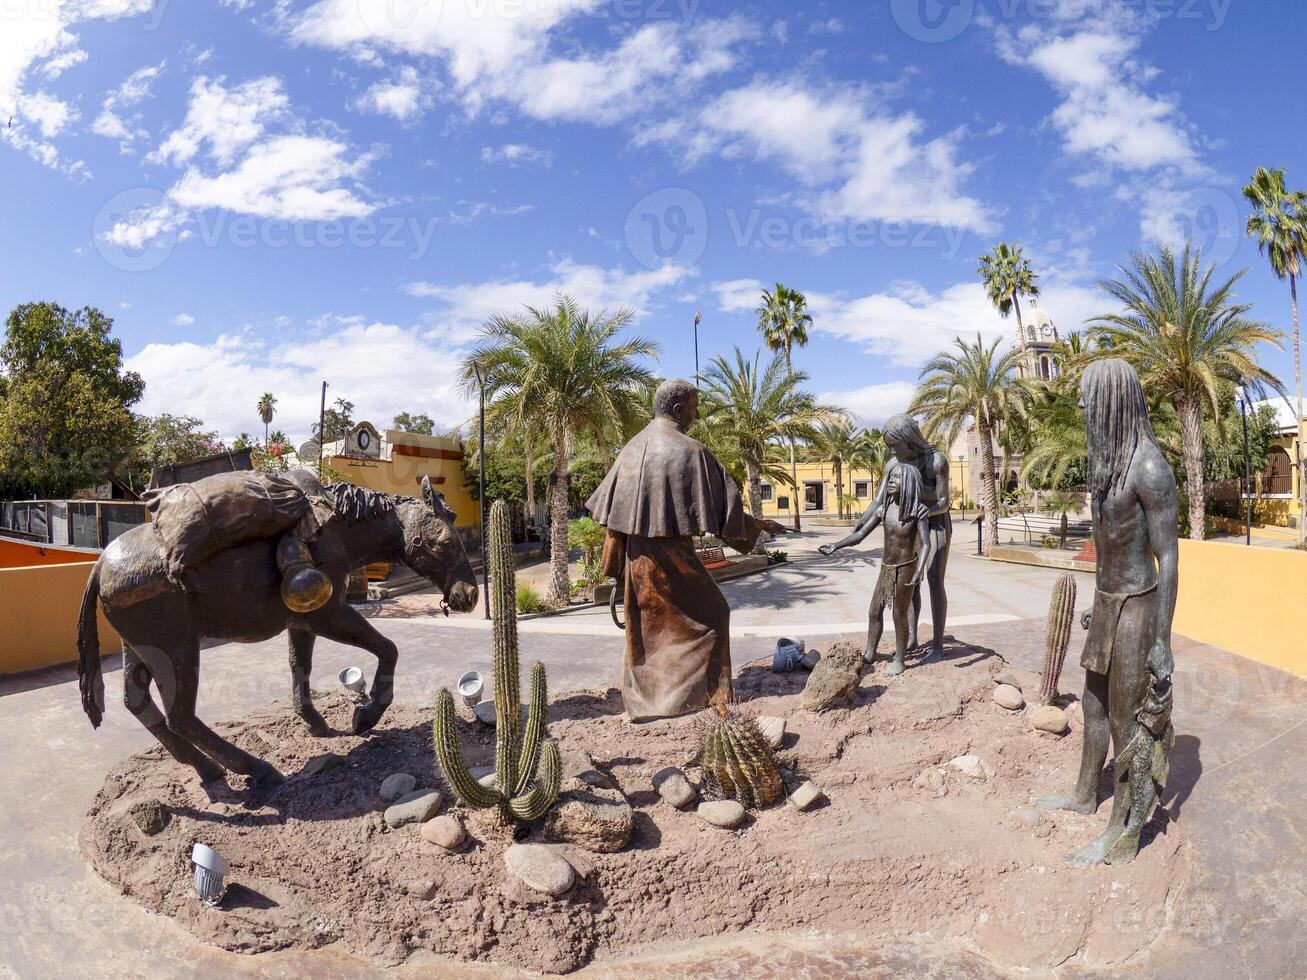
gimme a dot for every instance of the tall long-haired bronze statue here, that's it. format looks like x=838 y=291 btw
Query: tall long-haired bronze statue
x=1127 y=657
x=235 y=595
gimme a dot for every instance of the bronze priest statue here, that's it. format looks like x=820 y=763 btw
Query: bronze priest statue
x=664 y=489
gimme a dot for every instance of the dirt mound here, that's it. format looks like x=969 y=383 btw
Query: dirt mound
x=907 y=847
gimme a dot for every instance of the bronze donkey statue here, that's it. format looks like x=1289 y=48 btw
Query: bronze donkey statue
x=235 y=596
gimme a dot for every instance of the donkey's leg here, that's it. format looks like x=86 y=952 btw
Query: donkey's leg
x=136 y=695
x=342 y=623
x=180 y=711
x=301 y=666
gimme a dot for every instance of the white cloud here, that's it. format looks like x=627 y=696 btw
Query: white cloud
x=134 y=89
x=227 y=119
x=738 y=295
x=852 y=160
x=517 y=154
x=42 y=35
x=383 y=368
x=183 y=320
x=467 y=305
x=872 y=405
x=403 y=97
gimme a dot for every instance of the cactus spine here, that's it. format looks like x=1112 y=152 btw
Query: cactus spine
x=738 y=763
x=1061 y=611
x=528 y=769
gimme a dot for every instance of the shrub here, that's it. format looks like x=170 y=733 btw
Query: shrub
x=528 y=599
x=777 y=557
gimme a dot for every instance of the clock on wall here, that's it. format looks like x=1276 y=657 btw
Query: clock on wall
x=365 y=439
x=1047 y=330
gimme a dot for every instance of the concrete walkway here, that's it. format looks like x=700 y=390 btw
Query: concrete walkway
x=1238 y=787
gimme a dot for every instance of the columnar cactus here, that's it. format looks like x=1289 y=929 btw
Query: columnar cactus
x=518 y=791
x=738 y=763
x=1061 y=611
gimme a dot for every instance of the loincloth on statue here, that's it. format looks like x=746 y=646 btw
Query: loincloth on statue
x=1110 y=612
x=893 y=577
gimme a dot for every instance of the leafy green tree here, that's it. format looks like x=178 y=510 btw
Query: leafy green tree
x=838 y=442
x=166 y=440
x=751 y=411
x=65 y=402
x=337 y=420
x=1062 y=503
x=1279 y=225
x=1186 y=335
x=560 y=373
x=1007 y=276
x=973 y=383
x=421 y=424
x=267 y=409
x=783 y=321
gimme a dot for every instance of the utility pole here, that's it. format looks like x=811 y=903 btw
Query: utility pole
x=481 y=487
x=697 y=318
x=1247 y=474
x=322 y=429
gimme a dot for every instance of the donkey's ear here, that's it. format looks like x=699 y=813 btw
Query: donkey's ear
x=429 y=495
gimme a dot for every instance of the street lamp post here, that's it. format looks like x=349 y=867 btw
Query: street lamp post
x=1247 y=473
x=481 y=487
x=697 y=318
x=322 y=426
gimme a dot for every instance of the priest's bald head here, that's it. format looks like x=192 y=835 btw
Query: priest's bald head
x=678 y=400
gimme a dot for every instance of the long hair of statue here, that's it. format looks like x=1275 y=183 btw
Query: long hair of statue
x=1116 y=420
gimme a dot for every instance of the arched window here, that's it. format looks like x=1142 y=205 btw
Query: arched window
x=1277 y=478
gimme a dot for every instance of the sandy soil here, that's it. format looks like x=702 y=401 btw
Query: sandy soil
x=944 y=861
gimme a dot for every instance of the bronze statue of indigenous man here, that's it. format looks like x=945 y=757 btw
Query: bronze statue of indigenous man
x=1127 y=658
x=664 y=489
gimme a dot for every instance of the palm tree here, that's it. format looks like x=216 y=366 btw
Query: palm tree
x=267 y=409
x=783 y=320
x=749 y=410
x=1061 y=503
x=556 y=374
x=976 y=383
x=1279 y=223
x=837 y=442
x=1185 y=336
x=1007 y=276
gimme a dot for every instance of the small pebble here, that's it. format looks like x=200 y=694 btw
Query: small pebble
x=726 y=814
x=446 y=832
x=773 y=729
x=1007 y=696
x=807 y=796
x=540 y=868
x=673 y=787
x=396 y=785
x=972 y=766
x=424 y=889
x=1049 y=718
x=416 y=807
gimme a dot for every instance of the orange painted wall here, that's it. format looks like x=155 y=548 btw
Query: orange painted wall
x=20 y=554
x=39 y=606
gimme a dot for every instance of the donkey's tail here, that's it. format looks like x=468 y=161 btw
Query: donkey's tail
x=88 y=652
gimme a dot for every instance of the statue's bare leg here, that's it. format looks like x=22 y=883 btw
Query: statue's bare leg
x=1093 y=753
x=301 y=668
x=344 y=624
x=179 y=709
x=938 y=597
x=136 y=695
x=902 y=620
x=914 y=619
x=875 y=626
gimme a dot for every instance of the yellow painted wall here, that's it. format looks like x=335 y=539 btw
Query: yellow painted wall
x=39 y=606
x=1247 y=600
x=402 y=474
x=825 y=473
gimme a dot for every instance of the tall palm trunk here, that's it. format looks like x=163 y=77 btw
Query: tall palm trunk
x=753 y=473
x=265 y=435
x=1297 y=377
x=839 y=488
x=530 y=481
x=558 y=506
x=1190 y=409
x=988 y=481
x=1021 y=332
x=794 y=470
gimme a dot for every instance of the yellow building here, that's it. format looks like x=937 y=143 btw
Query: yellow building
x=395 y=462
x=1275 y=489
x=818 y=494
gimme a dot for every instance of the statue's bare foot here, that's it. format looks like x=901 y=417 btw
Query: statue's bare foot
x=896 y=666
x=1076 y=804
x=1094 y=853
x=934 y=655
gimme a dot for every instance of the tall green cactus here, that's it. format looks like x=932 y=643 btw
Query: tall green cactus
x=1061 y=611
x=518 y=791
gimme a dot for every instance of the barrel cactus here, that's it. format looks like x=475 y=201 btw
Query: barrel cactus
x=738 y=763
x=1061 y=611
x=528 y=769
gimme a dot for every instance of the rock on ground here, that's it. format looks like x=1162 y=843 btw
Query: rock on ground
x=973 y=767
x=397 y=784
x=1007 y=696
x=446 y=832
x=591 y=811
x=416 y=807
x=672 y=786
x=1027 y=816
x=321 y=763
x=1025 y=681
x=833 y=683
x=150 y=816
x=773 y=729
x=727 y=814
x=540 y=868
x=807 y=796
x=1049 y=718
x=930 y=779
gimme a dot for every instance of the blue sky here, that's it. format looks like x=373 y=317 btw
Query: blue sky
x=267 y=194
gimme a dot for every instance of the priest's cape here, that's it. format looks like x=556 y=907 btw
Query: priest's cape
x=664 y=489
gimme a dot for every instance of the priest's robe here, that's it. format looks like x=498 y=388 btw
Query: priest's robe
x=664 y=489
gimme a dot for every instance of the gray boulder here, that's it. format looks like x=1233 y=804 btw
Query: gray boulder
x=833 y=683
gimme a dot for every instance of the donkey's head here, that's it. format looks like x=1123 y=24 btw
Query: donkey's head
x=433 y=548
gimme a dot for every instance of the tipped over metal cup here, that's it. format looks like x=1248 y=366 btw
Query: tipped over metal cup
x=470 y=687
x=789 y=655
x=210 y=873
x=352 y=680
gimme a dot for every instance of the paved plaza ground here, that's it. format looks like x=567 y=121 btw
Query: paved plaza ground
x=1237 y=787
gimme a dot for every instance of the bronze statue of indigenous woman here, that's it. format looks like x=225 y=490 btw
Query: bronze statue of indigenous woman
x=664 y=489
x=1127 y=658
